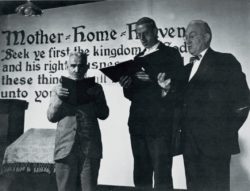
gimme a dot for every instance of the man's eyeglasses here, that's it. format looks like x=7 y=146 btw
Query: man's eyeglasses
x=191 y=37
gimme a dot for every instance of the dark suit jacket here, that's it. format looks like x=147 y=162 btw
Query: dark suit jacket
x=78 y=124
x=150 y=114
x=210 y=102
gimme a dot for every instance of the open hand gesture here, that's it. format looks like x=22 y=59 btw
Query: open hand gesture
x=164 y=83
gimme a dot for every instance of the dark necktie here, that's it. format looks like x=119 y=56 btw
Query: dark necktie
x=191 y=63
x=194 y=58
x=142 y=53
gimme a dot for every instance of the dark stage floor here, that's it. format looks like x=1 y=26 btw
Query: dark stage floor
x=43 y=182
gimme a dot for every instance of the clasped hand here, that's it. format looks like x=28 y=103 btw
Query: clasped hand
x=125 y=81
x=143 y=76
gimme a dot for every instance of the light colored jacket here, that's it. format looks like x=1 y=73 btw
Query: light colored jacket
x=78 y=124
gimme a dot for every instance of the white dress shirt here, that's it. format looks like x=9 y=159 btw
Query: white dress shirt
x=151 y=49
x=197 y=64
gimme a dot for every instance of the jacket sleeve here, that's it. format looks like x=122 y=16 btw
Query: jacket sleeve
x=137 y=88
x=237 y=91
x=100 y=105
x=55 y=110
x=177 y=80
x=129 y=91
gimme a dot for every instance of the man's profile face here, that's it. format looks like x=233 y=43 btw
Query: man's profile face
x=196 y=39
x=76 y=67
x=147 y=35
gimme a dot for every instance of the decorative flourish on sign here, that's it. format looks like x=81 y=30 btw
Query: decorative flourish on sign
x=123 y=33
x=67 y=37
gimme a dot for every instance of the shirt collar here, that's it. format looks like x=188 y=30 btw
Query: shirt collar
x=203 y=53
x=154 y=47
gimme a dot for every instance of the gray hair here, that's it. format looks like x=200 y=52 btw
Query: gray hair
x=204 y=26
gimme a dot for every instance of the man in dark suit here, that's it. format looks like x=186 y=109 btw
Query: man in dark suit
x=215 y=105
x=78 y=146
x=151 y=111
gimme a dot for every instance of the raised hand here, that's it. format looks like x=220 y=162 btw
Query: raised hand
x=164 y=83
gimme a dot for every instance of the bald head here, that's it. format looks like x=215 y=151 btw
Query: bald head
x=204 y=27
x=198 y=36
x=77 y=65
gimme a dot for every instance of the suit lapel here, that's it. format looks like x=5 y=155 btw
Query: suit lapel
x=161 y=46
x=203 y=68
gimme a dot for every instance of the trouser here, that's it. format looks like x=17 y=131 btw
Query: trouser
x=77 y=170
x=152 y=157
x=207 y=174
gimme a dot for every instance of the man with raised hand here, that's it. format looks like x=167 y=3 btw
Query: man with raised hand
x=215 y=105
